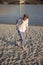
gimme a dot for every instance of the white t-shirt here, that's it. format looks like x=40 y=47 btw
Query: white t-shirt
x=22 y=27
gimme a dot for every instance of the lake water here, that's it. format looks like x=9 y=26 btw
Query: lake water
x=9 y=13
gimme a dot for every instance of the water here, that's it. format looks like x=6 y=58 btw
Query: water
x=10 y=13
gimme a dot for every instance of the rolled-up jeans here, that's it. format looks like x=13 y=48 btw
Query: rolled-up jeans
x=22 y=37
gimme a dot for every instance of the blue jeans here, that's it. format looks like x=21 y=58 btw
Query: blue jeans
x=22 y=37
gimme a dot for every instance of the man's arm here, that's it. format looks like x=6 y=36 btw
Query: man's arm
x=20 y=24
x=26 y=29
x=27 y=26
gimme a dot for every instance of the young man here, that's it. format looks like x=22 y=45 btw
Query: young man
x=22 y=26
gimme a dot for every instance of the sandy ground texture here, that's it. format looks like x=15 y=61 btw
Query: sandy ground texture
x=12 y=54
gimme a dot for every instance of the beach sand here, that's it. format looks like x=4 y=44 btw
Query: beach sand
x=12 y=54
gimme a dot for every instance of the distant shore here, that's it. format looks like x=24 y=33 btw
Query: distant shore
x=21 y=2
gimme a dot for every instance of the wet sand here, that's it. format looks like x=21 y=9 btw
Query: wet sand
x=12 y=54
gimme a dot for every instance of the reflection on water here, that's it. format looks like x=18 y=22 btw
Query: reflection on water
x=9 y=13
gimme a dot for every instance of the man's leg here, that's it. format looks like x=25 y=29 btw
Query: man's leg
x=23 y=35
x=23 y=38
x=20 y=40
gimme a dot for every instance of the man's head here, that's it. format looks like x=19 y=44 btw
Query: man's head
x=26 y=16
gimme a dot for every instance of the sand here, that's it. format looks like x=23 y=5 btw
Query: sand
x=12 y=54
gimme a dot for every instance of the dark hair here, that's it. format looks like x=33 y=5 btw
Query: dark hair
x=26 y=15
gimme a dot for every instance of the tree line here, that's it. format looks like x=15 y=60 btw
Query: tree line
x=18 y=2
